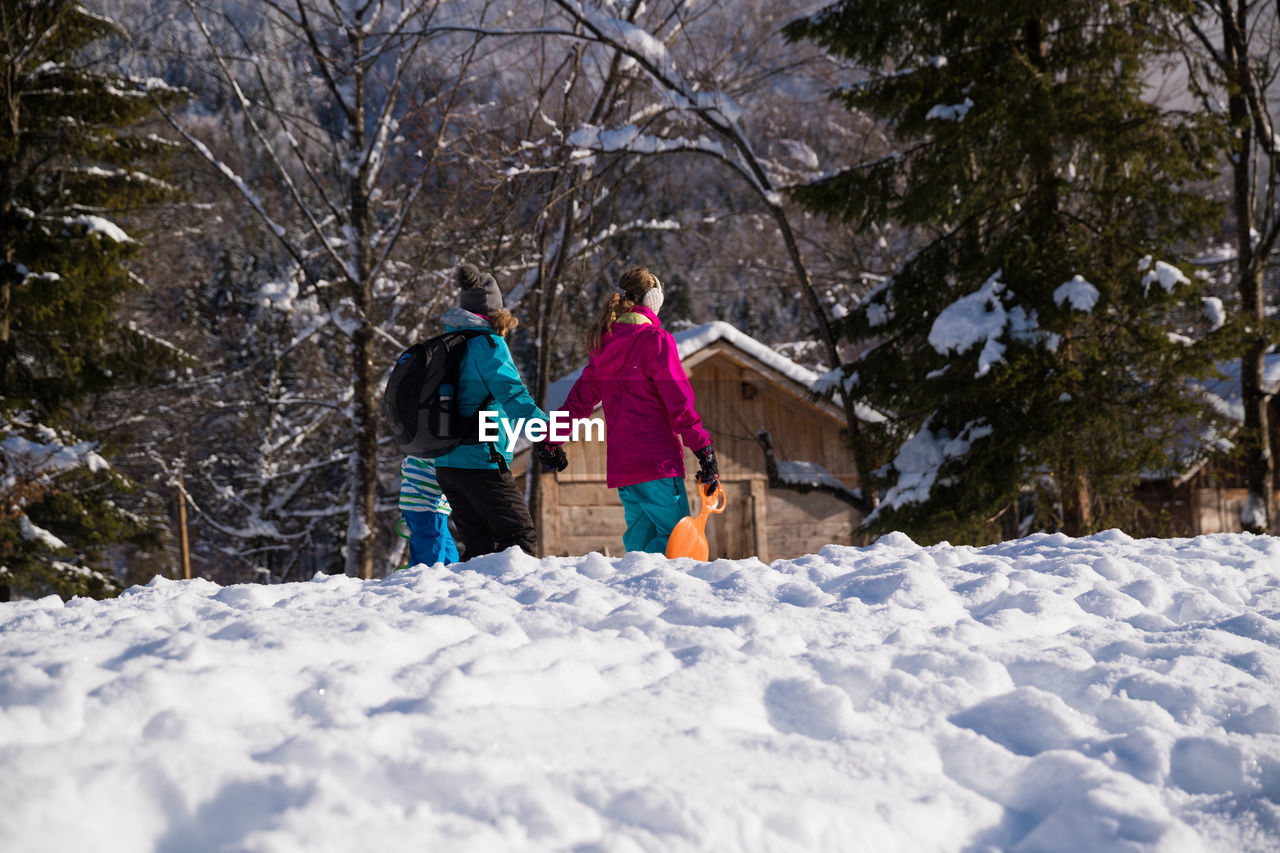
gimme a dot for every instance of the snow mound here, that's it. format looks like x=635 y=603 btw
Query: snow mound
x=1045 y=694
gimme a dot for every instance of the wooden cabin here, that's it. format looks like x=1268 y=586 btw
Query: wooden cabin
x=1210 y=496
x=740 y=386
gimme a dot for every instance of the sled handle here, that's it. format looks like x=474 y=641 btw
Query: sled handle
x=719 y=498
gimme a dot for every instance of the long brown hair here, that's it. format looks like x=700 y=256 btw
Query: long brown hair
x=633 y=283
x=503 y=321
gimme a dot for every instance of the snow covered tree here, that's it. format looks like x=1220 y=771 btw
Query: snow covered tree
x=71 y=162
x=1029 y=355
x=343 y=124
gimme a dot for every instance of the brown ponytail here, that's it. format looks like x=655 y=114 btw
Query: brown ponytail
x=634 y=282
x=615 y=305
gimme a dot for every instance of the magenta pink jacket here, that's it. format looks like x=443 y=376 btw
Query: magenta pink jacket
x=647 y=400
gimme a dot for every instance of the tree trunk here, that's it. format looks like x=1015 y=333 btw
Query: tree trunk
x=364 y=463
x=1255 y=436
x=1077 y=514
x=533 y=471
x=764 y=186
x=548 y=278
x=6 y=244
x=7 y=273
x=862 y=461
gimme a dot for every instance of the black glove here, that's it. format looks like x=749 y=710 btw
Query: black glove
x=552 y=457
x=708 y=473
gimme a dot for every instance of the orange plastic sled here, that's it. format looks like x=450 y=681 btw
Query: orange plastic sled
x=689 y=538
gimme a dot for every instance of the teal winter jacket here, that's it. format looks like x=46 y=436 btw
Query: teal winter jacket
x=487 y=371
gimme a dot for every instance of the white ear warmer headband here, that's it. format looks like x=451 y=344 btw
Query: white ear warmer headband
x=652 y=298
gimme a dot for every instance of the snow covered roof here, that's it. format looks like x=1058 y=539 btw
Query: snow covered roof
x=1225 y=392
x=691 y=341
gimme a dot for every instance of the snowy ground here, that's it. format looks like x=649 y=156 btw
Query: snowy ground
x=1040 y=695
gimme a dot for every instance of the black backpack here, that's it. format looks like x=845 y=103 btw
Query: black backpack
x=424 y=421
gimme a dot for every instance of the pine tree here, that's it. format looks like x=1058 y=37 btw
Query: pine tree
x=71 y=161
x=1028 y=353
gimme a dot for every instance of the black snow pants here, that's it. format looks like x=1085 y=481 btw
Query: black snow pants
x=488 y=510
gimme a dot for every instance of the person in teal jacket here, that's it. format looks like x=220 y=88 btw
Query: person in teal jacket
x=489 y=510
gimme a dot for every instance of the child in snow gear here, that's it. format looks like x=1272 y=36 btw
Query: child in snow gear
x=488 y=508
x=426 y=513
x=635 y=372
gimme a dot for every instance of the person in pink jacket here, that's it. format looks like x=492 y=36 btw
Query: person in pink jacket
x=634 y=371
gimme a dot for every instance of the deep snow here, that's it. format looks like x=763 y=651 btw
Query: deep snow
x=1045 y=694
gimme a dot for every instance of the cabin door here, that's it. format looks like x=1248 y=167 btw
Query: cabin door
x=729 y=533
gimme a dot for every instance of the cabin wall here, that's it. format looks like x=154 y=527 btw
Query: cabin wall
x=735 y=402
x=1219 y=510
x=1171 y=510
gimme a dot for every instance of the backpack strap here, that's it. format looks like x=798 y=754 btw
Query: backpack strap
x=473 y=333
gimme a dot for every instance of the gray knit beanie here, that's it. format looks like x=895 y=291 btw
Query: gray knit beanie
x=478 y=291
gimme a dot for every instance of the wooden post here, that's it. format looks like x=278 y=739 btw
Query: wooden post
x=760 y=517
x=549 y=540
x=1193 y=508
x=182 y=532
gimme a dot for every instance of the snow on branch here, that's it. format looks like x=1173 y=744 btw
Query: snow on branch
x=1165 y=274
x=227 y=172
x=935 y=63
x=100 y=226
x=920 y=460
x=589 y=243
x=45 y=457
x=981 y=317
x=1078 y=292
x=613 y=229
x=34 y=463
x=630 y=140
x=713 y=107
x=156 y=340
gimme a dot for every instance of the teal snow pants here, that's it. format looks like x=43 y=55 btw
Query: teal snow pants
x=652 y=510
